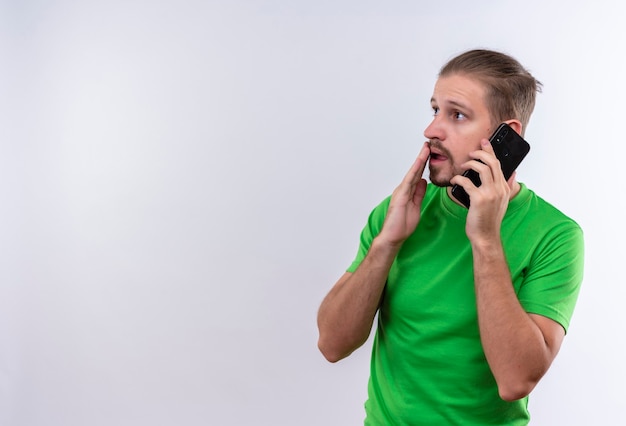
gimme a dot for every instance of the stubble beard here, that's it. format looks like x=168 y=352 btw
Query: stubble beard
x=437 y=174
x=436 y=177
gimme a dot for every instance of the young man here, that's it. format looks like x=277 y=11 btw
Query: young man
x=473 y=304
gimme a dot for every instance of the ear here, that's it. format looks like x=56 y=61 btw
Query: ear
x=515 y=125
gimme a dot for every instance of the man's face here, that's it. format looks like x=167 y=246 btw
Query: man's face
x=461 y=121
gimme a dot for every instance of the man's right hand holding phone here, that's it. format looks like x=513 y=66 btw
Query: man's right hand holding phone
x=489 y=200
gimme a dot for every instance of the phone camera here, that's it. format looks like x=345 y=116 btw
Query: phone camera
x=505 y=132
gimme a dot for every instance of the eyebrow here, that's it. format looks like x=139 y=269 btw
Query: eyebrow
x=452 y=102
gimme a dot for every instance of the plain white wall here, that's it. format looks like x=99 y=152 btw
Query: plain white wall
x=182 y=182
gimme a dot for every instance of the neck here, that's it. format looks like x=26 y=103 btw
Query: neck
x=515 y=189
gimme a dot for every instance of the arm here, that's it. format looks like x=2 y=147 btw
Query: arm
x=519 y=347
x=347 y=313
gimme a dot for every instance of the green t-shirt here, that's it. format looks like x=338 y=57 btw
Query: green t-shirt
x=428 y=366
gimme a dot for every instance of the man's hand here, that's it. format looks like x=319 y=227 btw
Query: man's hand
x=347 y=313
x=490 y=200
x=406 y=201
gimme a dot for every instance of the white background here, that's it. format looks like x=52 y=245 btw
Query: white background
x=182 y=182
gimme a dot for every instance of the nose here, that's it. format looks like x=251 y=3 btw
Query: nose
x=434 y=130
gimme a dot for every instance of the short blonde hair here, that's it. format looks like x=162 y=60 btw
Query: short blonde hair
x=511 y=89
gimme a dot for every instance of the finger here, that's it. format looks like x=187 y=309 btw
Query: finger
x=463 y=182
x=417 y=169
x=479 y=166
x=487 y=156
x=420 y=191
x=485 y=145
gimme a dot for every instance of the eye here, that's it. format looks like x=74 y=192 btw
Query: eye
x=458 y=115
x=435 y=110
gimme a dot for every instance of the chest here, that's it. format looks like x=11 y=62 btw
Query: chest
x=432 y=279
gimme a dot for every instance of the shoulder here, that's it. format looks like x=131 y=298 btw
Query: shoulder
x=547 y=228
x=547 y=216
x=558 y=220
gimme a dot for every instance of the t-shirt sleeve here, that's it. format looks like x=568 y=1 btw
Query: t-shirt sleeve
x=555 y=275
x=369 y=232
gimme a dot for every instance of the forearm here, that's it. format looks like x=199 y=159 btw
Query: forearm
x=514 y=345
x=347 y=313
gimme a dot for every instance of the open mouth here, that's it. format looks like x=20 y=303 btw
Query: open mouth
x=437 y=157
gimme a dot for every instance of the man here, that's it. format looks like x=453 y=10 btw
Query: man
x=473 y=304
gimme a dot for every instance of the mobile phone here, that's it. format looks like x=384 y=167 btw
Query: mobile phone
x=510 y=148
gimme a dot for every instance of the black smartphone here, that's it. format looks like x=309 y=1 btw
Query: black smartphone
x=510 y=148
